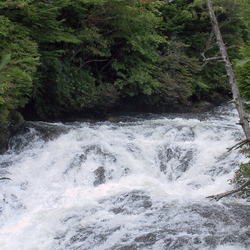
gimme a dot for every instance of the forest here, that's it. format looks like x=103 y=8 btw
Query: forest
x=90 y=57
x=94 y=56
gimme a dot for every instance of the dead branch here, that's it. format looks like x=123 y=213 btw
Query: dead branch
x=210 y=58
x=209 y=43
x=215 y=57
x=221 y=195
x=5 y=178
x=239 y=144
x=231 y=101
x=227 y=21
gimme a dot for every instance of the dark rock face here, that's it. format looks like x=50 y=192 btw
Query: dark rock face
x=8 y=127
x=100 y=176
x=4 y=139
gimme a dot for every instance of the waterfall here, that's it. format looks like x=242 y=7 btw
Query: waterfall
x=139 y=183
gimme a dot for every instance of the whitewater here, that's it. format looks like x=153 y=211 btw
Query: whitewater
x=138 y=183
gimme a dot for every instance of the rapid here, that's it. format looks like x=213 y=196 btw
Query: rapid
x=138 y=183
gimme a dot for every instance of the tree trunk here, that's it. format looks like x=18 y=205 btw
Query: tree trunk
x=230 y=73
x=235 y=91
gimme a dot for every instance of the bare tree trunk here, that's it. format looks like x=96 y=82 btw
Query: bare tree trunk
x=230 y=73
x=235 y=90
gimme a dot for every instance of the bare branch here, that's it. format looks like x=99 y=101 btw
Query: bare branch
x=96 y=60
x=239 y=144
x=209 y=43
x=221 y=195
x=210 y=58
x=206 y=61
x=227 y=21
x=215 y=57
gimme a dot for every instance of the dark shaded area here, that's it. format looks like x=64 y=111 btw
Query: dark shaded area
x=23 y=135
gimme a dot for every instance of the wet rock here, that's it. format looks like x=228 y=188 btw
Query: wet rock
x=245 y=237
x=229 y=239
x=99 y=176
x=117 y=210
x=4 y=139
x=76 y=163
x=175 y=161
x=211 y=241
x=177 y=243
x=129 y=203
x=147 y=239
x=127 y=247
x=116 y=119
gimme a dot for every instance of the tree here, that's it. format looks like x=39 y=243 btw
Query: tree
x=235 y=91
x=111 y=54
x=188 y=22
x=18 y=62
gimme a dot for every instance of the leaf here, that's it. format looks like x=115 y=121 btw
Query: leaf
x=5 y=61
x=242 y=62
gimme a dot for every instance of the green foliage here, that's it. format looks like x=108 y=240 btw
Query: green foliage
x=19 y=59
x=96 y=53
x=112 y=53
x=242 y=67
x=243 y=79
x=189 y=22
x=15 y=86
x=242 y=174
x=65 y=89
x=176 y=75
x=244 y=13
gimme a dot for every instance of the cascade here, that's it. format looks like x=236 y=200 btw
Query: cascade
x=139 y=183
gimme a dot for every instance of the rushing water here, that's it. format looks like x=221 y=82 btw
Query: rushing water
x=140 y=183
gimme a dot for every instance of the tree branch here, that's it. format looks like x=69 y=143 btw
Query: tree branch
x=239 y=144
x=95 y=60
x=221 y=195
x=206 y=60
x=227 y=21
x=215 y=57
x=210 y=58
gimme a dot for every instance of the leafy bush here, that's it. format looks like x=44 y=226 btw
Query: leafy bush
x=18 y=66
x=242 y=174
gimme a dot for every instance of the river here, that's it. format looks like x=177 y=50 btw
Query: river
x=139 y=183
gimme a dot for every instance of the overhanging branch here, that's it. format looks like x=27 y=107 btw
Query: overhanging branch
x=239 y=144
x=221 y=195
